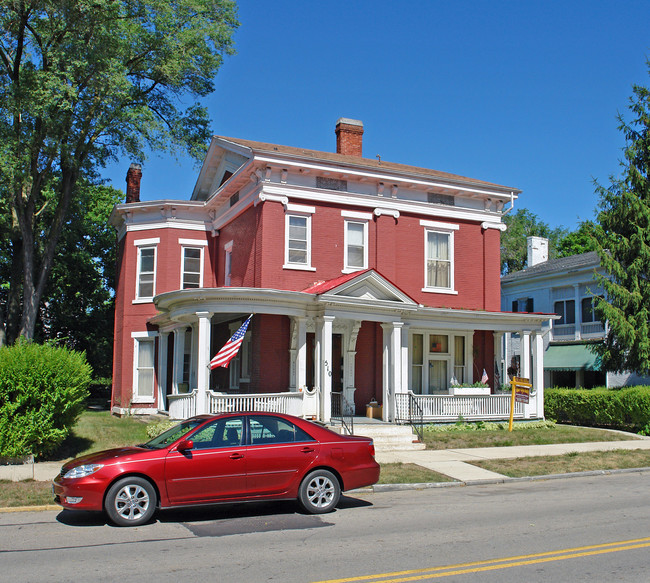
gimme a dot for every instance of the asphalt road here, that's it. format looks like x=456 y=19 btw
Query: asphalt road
x=578 y=529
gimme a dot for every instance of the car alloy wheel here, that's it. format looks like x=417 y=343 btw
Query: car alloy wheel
x=319 y=492
x=131 y=502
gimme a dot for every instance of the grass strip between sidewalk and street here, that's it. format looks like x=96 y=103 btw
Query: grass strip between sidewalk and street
x=568 y=463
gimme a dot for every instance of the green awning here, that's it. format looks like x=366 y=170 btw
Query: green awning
x=570 y=357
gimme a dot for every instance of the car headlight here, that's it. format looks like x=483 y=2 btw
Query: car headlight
x=83 y=471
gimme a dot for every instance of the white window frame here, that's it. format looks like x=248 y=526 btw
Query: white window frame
x=303 y=212
x=440 y=229
x=448 y=357
x=355 y=218
x=141 y=245
x=192 y=244
x=227 y=264
x=138 y=338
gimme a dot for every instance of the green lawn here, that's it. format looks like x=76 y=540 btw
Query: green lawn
x=97 y=430
x=464 y=436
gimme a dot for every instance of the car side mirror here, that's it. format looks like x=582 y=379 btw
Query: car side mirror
x=185 y=444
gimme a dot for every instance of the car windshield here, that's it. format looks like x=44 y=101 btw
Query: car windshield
x=172 y=434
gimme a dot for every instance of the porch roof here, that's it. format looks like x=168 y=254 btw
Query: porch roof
x=182 y=306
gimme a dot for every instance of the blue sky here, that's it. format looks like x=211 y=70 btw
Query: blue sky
x=521 y=93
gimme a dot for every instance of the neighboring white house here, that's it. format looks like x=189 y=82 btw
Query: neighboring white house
x=566 y=287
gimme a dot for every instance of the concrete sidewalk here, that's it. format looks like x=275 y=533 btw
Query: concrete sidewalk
x=453 y=462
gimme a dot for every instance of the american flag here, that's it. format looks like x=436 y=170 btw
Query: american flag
x=230 y=348
x=484 y=378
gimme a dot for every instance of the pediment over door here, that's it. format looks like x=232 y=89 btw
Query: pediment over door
x=366 y=285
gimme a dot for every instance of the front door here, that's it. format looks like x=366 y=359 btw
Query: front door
x=214 y=469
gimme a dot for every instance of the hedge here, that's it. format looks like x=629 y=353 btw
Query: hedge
x=627 y=408
x=42 y=393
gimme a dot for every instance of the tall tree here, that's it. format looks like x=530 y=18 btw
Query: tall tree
x=624 y=248
x=80 y=82
x=522 y=224
x=582 y=240
x=77 y=308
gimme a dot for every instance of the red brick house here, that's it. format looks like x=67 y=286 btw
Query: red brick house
x=367 y=279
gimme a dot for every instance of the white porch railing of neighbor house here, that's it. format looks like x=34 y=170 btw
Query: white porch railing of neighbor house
x=564 y=332
x=289 y=403
x=441 y=408
x=592 y=329
x=182 y=406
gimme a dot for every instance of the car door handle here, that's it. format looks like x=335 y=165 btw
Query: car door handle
x=307 y=450
x=236 y=456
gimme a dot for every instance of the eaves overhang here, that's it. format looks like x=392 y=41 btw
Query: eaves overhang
x=184 y=305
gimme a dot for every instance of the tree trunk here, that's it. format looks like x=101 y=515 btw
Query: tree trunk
x=32 y=288
x=12 y=311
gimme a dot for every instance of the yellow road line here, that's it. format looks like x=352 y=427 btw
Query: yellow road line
x=502 y=563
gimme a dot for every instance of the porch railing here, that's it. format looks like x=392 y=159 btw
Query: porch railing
x=182 y=406
x=289 y=403
x=440 y=408
x=342 y=412
x=416 y=416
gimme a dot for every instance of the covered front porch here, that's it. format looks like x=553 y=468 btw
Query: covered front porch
x=333 y=353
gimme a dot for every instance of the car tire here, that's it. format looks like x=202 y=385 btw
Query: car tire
x=131 y=501
x=319 y=492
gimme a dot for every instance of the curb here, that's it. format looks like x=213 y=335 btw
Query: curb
x=418 y=486
x=41 y=508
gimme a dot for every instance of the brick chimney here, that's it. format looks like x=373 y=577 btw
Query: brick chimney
x=133 y=177
x=349 y=137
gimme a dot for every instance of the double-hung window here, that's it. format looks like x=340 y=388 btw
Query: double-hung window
x=191 y=263
x=355 y=241
x=439 y=256
x=297 y=245
x=589 y=310
x=146 y=269
x=566 y=309
x=143 y=372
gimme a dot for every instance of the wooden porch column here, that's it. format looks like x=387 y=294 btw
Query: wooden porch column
x=301 y=353
x=392 y=367
x=324 y=327
x=525 y=354
x=179 y=350
x=349 y=367
x=203 y=354
x=499 y=358
x=163 y=341
x=538 y=373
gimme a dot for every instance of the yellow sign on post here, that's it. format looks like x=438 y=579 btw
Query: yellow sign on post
x=520 y=394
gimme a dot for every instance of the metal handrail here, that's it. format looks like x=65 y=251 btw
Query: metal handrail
x=339 y=407
x=416 y=416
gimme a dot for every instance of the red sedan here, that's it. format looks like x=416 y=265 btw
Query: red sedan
x=220 y=458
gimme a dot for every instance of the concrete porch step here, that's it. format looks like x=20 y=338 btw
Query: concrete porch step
x=387 y=437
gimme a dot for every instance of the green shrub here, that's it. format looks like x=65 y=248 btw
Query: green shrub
x=155 y=429
x=627 y=408
x=42 y=392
